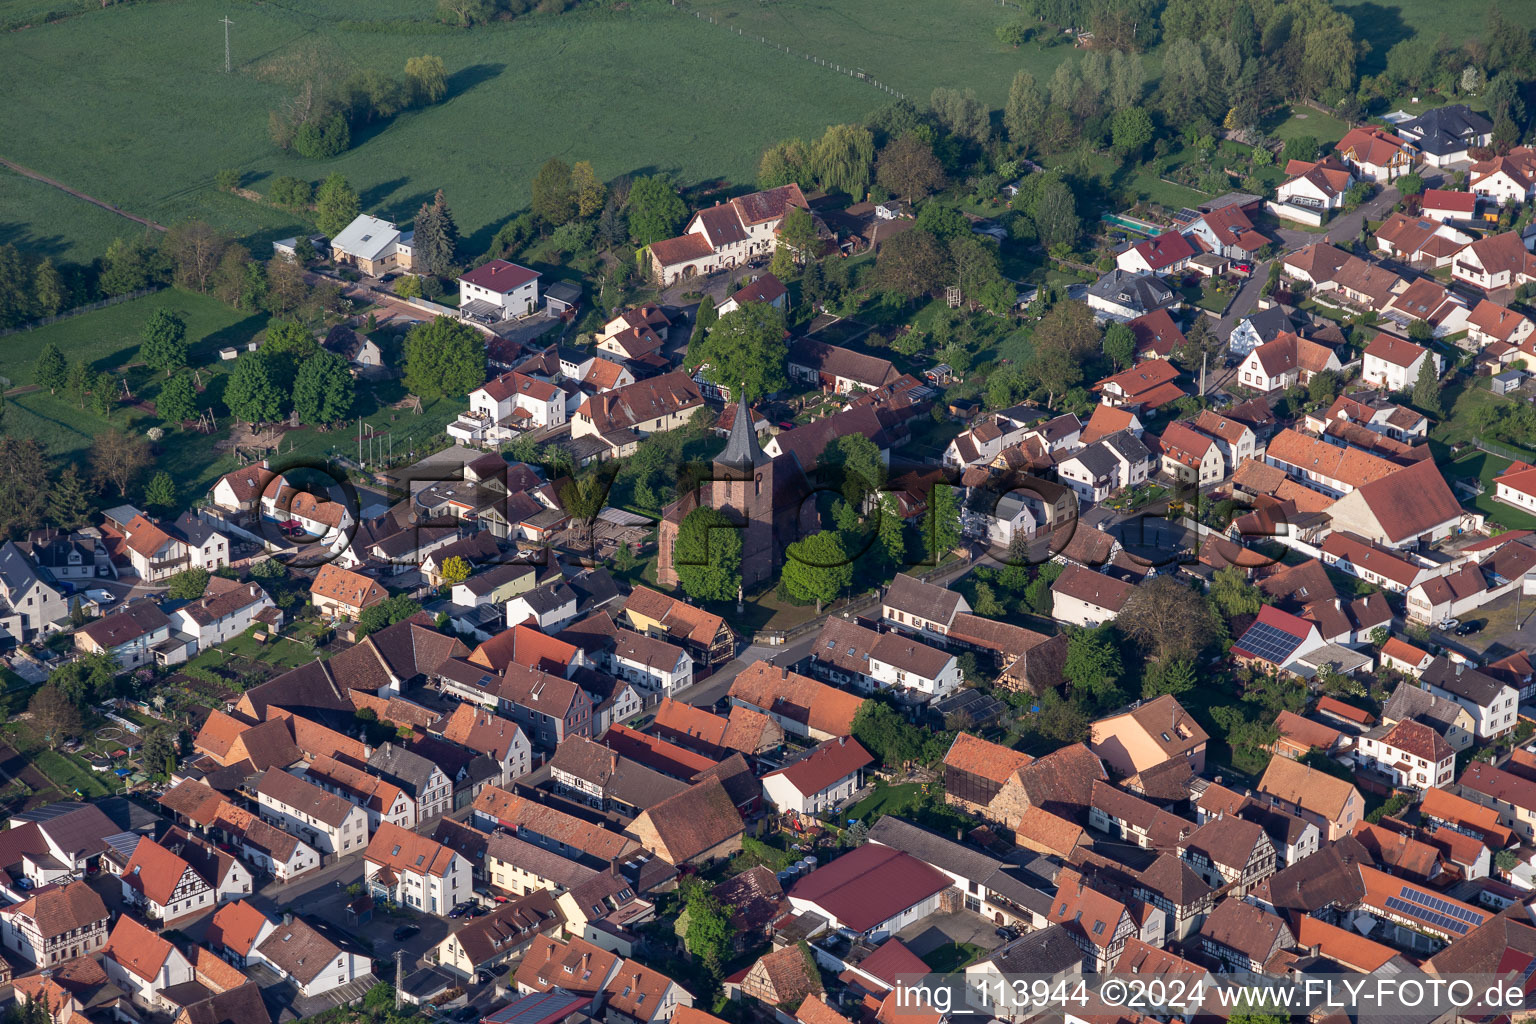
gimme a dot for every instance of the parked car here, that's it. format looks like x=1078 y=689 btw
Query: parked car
x=1446 y=625
x=1469 y=628
x=485 y=977
x=405 y=931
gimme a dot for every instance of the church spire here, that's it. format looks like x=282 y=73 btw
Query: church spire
x=742 y=450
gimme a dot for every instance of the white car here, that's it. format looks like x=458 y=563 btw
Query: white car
x=101 y=597
x=1446 y=625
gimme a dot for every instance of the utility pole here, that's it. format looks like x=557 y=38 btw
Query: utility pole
x=399 y=978
x=227 y=23
x=1203 y=357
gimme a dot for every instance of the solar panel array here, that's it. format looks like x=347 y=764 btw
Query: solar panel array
x=1267 y=642
x=1451 y=917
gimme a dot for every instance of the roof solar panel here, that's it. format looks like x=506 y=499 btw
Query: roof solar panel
x=1439 y=920
x=1267 y=642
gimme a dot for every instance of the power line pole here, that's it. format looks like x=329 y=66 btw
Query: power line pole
x=227 y=23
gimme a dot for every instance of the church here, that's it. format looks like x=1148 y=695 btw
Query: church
x=770 y=496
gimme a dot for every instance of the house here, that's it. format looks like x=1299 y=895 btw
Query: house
x=1381 y=566
x=1401 y=656
x=635 y=335
x=1168 y=253
x=323 y=820
x=638 y=995
x=624 y=416
x=1331 y=469
x=1130 y=294
x=696 y=826
x=1124 y=815
x=1230 y=851
x=1190 y=456
x=423 y=781
x=1489 y=322
x=872 y=891
x=1259 y=328
x=726 y=235
x=359 y=350
x=28 y=603
x=1493 y=705
x=498 y=738
x=1327 y=801
x=226 y=609
x=1444 y=205
x=911 y=604
x=1277 y=641
x=1148 y=385
x=575 y=966
x=593 y=774
x=240 y=492
x=341 y=593
x=1244 y=937
x=784 y=977
x=504 y=934
x=1517 y=485
x=382 y=799
x=985 y=440
x=546 y=706
x=1157 y=336
x=548 y=608
x=1087 y=598
x=1400 y=509
x=1506 y=179
x=311 y=961
x=415 y=871
x=764 y=288
x=1300 y=736
x=704 y=635
x=1313 y=188
x=506 y=406
x=1368 y=409
x=1410 y=754
x=138 y=635
x=821 y=780
x=1445 y=134
x=1420 y=240
x=55 y=924
x=157 y=551
x=1511 y=795
x=1234 y=438
x=976 y=771
x=1106 y=466
x=1286 y=361
x=1374 y=155
x=837 y=370
x=1430 y=301
x=375 y=247
x=1495 y=262
x=1097 y=923
x=651 y=663
x=497 y=809
x=1393 y=364
x=497 y=291
x=1449 y=595
x=1227 y=231
x=1158 y=731
x=144 y=964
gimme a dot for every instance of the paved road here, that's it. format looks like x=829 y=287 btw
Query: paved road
x=705 y=694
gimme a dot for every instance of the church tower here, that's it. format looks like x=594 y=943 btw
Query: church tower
x=742 y=488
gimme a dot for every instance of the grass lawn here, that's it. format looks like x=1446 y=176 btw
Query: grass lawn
x=952 y=956
x=1325 y=128
x=886 y=800
x=1485 y=467
x=70 y=774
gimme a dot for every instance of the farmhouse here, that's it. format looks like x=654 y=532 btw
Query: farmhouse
x=621 y=418
x=725 y=235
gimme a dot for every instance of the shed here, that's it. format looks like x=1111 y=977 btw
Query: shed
x=1509 y=380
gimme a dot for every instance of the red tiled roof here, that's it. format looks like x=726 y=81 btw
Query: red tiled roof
x=500 y=276
x=1165 y=250
x=869 y=885
x=828 y=763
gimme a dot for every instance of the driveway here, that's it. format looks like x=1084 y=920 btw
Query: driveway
x=942 y=929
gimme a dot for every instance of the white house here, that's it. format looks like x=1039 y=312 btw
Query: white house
x=158 y=551
x=1374 y=155
x=1411 y=754
x=314 y=963
x=508 y=405
x=143 y=964
x=1448 y=596
x=415 y=871
x=323 y=820
x=1235 y=439
x=226 y=609
x=1189 y=455
x=1106 y=466
x=1494 y=262
x=896 y=660
x=1168 y=253
x=1510 y=178
x=1286 y=361
x=54 y=925
x=1087 y=598
x=550 y=607
x=650 y=663
x=821 y=780
x=1494 y=705
x=1446 y=205
x=497 y=291
x=1491 y=322
x=1517 y=486
x=725 y=235
x=1444 y=135
x=1316 y=186
x=1394 y=364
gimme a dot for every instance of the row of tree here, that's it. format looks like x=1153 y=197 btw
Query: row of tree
x=319 y=119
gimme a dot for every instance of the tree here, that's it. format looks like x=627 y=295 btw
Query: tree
x=53 y=715
x=1131 y=130
x=336 y=205
x=1410 y=184
x=782 y=163
x=1166 y=617
x=817 y=568
x=1119 y=344
x=553 y=200
x=961 y=113
x=24 y=472
x=437 y=236
x=1024 y=112
x=703 y=320
x=130 y=265
x=1170 y=677
x=907 y=167
x=588 y=189
x=163 y=344
x=323 y=389
x=48 y=291
x=117 y=458
x=1426 y=389
x=889 y=737
x=159 y=753
x=177 y=401
x=78 y=381
x=798 y=235
x=292 y=192
x=1323 y=388
x=707 y=556
x=889 y=530
x=104 y=394
x=252 y=395
x=941 y=523
x=656 y=211
x=854 y=463
x=51 y=370
x=911 y=264
x=1055 y=213
x=444 y=357
x=187 y=585
x=1233 y=595
x=386 y=613
x=709 y=935
x=195 y=248
x=69 y=504
x=160 y=492
x=320 y=138
x=842 y=158
x=456 y=570
x=745 y=349
x=1357 y=194
x=426 y=79
x=1093 y=665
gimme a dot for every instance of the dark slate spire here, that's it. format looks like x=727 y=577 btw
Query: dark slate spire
x=742 y=450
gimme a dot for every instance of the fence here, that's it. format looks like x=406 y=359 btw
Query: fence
x=1502 y=451
x=76 y=311
x=855 y=73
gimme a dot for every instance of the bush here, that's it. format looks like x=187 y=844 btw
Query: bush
x=321 y=138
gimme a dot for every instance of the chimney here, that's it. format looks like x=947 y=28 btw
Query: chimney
x=287 y=918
